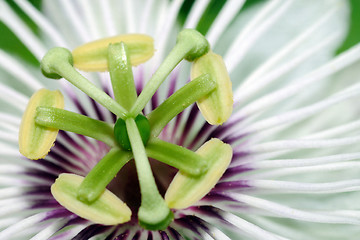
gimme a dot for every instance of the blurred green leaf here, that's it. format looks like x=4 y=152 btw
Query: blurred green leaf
x=210 y=13
x=353 y=36
x=10 y=43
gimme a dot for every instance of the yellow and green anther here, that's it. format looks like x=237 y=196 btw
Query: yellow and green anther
x=217 y=106
x=93 y=56
x=133 y=136
x=185 y=190
x=106 y=210
x=35 y=140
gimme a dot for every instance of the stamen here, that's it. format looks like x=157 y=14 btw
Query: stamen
x=185 y=190
x=153 y=213
x=217 y=106
x=121 y=75
x=73 y=122
x=58 y=62
x=35 y=141
x=180 y=100
x=133 y=132
x=190 y=45
x=106 y=210
x=179 y=157
x=93 y=56
x=96 y=181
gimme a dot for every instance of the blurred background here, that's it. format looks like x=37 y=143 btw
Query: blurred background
x=10 y=43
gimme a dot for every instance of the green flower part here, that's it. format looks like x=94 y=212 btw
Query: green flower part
x=134 y=136
x=217 y=106
x=36 y=140
x=93 y=56
x=107 y=210
x=121 y=134
x=185 y=190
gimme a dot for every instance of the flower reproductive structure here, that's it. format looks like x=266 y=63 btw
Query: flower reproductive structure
x=133 y=136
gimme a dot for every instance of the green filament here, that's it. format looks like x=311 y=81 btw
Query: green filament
x=101 y=175
x=190 y=45
x=58 y=62
x=76 y=123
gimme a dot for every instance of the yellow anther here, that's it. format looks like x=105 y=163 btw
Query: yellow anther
x=107 y=209
x=185 y=190
x=217 y=106
x=93 y=56
x=35 y=141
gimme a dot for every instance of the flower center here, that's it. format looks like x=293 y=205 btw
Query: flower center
x=122 y=136
x=133 y=136
x=126 y=186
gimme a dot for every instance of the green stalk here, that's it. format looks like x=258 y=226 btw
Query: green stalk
x=73 y=122
x=181 y=99
x=179 y=157
x=170 y=62
x=190 y=44
x=101 y=175
x=58 y=62
x=121 y=75
x=153 y=213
